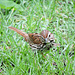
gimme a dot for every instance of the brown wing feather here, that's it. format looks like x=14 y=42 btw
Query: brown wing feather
x=35 y=37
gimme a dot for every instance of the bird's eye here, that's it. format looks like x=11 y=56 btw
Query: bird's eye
x=49 y=35
x=32 y=35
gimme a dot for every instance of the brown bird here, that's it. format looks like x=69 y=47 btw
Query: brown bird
x=38 y=41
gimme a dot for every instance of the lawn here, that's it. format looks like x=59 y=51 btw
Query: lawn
x=33 y=16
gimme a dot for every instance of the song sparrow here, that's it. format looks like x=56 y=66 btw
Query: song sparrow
x=38 y=41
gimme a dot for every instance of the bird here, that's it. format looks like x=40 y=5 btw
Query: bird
x=38 y=41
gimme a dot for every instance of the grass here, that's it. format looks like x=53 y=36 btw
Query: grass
x=16 y=57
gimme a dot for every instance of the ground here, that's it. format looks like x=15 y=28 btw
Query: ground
x=16 y=57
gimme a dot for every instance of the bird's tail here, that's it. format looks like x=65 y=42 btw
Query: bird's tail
x=25 y=35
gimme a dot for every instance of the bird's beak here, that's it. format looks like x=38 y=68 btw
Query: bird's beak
x=46 y=40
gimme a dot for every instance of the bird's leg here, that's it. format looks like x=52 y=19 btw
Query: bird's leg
x=43 y=55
